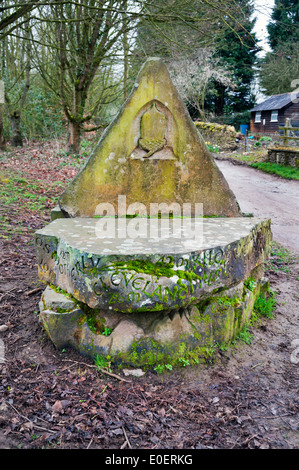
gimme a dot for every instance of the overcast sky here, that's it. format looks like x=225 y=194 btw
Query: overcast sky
x=263 y=9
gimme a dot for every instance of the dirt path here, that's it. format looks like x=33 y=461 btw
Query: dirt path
x=267 y=196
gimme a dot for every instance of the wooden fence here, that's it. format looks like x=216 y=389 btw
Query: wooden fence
x=287 y=132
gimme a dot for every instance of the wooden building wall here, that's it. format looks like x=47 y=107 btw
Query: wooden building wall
x=269 y=127
x=291 y=111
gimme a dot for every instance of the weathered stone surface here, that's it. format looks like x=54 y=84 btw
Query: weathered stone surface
x=152 y=153
x=57 y=301
x=63 y=328
x=124 y=335
x=168 y=330
x=56 y=213
x=60 y=316
x=217 y=319
x=149 y=274
x=90 y=343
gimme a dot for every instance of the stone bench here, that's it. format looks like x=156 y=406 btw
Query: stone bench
x=145 y=288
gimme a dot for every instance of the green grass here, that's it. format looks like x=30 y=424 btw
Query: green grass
x=102 y=362
x=17 y=191
x=245 y=335
x=288 y=172
x=265 y=305
x=281 y=253
x=280 y=258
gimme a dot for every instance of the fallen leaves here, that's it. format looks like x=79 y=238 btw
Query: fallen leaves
x=50 y=398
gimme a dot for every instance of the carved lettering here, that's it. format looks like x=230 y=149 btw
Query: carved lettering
x=181 y=290
x=40 y=242
x=172 y=294
x=208 y=266
x=137 y=282
x=116 y=297
x=134 y=296
x=115 y=279
x=99 y=285
x=127 y=280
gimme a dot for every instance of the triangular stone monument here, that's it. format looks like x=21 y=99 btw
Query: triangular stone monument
x=151 y=153
x=127 y=287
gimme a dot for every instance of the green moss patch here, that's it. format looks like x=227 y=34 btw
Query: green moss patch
x=158 y=269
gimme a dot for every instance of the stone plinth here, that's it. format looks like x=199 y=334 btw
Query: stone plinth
x=147 y=339
x=184 y=286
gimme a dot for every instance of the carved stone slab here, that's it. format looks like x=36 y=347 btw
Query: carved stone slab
x=114 y=273
x=151 y=153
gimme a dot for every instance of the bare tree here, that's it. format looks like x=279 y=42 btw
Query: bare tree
x=13 y=15
x=79 y=45
x=193 y=75
x=15 y=69
x=80 y=36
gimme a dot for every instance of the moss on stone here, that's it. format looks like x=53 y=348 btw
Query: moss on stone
x=59 y=290
x=157 y=269
x=219 y=320
x=149 y=354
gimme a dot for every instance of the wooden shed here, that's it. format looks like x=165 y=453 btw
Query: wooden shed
x=269 y=115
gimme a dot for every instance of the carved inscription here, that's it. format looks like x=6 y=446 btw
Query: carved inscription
x=124 y=285
x=45 y=259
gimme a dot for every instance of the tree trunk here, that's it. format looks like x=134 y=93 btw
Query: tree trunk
x=74 y=137
x=15 y=121
x=75 y=122
x=15 y=116
x=219 y=101
x=2 y=140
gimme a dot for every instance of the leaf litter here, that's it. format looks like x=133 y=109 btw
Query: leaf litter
x=247 y=397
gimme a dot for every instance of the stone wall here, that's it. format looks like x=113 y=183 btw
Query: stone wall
x=217 y=134
x=284 y=156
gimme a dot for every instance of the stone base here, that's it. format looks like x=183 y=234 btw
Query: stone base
x=147 y=301
x=143 y=339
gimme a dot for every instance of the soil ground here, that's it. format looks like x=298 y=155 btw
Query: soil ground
x=246 y=397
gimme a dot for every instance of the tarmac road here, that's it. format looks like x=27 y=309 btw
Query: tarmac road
x=267 y=196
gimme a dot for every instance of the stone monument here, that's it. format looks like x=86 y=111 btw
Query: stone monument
x=149 y=257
